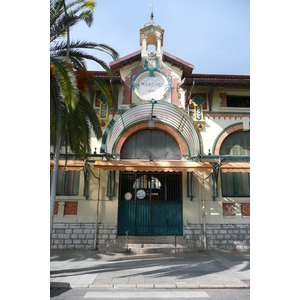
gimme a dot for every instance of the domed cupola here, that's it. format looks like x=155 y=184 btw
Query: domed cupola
x=151 y=34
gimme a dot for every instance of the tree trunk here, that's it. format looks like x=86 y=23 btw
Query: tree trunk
x=57 y=152
x=53 y=185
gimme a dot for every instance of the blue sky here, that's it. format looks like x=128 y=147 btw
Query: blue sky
x=213 y=35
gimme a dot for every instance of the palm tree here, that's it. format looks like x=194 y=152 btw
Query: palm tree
x=71 y=114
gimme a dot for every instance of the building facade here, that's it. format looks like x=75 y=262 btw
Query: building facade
x=173 y=163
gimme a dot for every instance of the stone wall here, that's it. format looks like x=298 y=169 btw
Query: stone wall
x=81 y=236
x=218 y=236
x=228 y=236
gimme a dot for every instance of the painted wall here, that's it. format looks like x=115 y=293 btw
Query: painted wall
x=192 y=210
x=87 y=208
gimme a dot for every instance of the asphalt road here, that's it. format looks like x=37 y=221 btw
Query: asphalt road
x=149 y=294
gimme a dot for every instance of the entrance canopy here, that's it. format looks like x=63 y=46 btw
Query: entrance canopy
x=168 y=166
x=147 y=166
x=161 y=112
x=153 y=166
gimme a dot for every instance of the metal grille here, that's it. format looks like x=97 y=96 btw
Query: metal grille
x=153 y=205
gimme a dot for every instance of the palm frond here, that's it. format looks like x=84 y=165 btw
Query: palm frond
x=72 y=116
x=58 y=112
x=86 y=45
x=80 y=56
x=105 y=90
x=90 y=114
x=67 y=81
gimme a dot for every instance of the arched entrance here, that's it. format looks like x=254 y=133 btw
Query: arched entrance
x=154 y=132
x=150 y=203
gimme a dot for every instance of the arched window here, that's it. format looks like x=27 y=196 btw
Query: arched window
x=237 y=143
x=147 y=182
x=151 y=144
x=236 y=184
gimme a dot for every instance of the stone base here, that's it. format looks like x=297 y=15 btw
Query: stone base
x=81 y=235
x=218 y=236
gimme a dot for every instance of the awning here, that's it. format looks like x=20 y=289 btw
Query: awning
x=72 y=165
x=152 y=166
x=235 y=167
x=168 y=166
x=147 y=166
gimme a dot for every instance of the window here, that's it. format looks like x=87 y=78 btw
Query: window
x=67 y=183
x=110 y=184
x=235 y=184
x=147 y=182
x=238 y=101
x=237 y=143
x=151 y=144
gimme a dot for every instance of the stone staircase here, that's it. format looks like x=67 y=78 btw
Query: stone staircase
x=149 y=244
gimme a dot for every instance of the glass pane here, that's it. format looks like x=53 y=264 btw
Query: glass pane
x=143 y=144
x=60 y=181
x=240 y=139
x=158 y=143
x=172 y=148
x=243 y=187
x=242 y=151
x=128 y=149
x=72 y=183
x=235 y=150
x=69 y=182
x=75 y=190
x=227 y=185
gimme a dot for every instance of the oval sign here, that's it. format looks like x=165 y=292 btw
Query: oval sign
x=151 y=87
x=140 y=194
x=128 y=196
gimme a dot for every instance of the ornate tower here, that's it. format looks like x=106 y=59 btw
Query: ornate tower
x=151 y=34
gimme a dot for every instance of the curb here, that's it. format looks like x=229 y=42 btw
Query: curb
x=66 y=285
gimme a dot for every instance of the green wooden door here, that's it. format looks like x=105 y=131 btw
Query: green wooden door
x=150 y=204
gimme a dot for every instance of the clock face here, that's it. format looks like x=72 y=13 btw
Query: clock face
x=141 y=194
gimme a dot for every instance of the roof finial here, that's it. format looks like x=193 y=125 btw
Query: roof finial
x=152 y=15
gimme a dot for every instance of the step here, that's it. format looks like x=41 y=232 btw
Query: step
x=150 y=240
x=149 y=244
x=148 y=250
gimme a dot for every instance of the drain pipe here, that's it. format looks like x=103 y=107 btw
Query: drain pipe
x=203 y=214
x=97 y=214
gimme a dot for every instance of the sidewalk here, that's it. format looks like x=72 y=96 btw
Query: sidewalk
x=209 y=269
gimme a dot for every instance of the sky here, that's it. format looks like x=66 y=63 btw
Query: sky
x=212 y=35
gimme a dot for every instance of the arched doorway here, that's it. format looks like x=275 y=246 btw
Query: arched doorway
x=150 y=203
